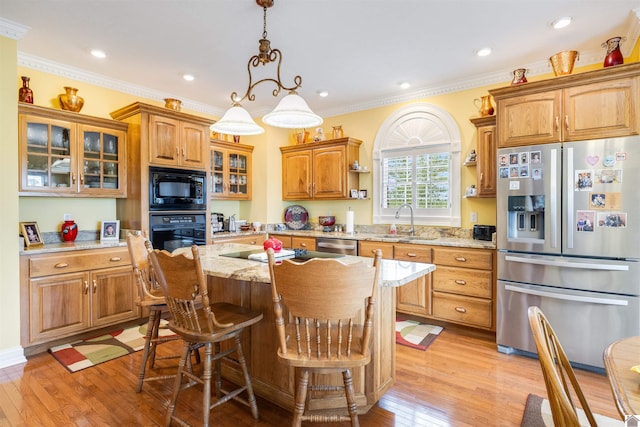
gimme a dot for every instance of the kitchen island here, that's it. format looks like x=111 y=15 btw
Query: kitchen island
x=247 y=283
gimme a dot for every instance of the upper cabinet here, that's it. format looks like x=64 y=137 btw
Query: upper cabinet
x=175 y=142
x=63 y=153
x=485 y=155
x=591 y=105
x=230 y=171
x=320 y=170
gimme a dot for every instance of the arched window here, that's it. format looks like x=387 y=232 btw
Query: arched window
x=416 y=160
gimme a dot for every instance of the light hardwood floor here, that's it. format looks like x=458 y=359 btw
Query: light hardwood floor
x=461 y=380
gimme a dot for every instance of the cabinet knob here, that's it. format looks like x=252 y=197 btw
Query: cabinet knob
x=115 y=259
x=304 y=245
x=566 y=121
x=95 y=286
x=61 y=265
x=557 y=124
x=461 y=309
x=412 y=254
x=86 y=287
x=460 y=282
x=461 y=259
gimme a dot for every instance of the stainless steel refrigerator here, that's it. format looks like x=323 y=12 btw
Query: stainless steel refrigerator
x=568 y=236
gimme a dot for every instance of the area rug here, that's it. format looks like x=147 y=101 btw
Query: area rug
x=415 y=334
x=537 y=413
x=89 y=352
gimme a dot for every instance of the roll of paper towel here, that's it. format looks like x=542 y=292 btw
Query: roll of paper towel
x=349 y=227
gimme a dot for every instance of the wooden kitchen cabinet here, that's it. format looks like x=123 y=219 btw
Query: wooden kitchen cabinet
x=64 y=294
x=308 y=243
x=464 y=286
x=320 y=170
x=413 y=297
x=176 y=142
x=158 y=136
x=592 y=105
x=485 y=155
x=66 y=154
x=230 y=171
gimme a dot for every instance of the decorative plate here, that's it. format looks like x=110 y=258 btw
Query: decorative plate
x=296 y=217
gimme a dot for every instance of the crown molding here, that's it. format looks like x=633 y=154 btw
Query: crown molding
x=12 y=30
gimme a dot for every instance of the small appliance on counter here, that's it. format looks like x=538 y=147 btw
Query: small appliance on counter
x=483 y=232
x=217 y=222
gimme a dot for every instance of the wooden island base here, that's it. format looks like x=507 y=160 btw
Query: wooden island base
x=275 y=382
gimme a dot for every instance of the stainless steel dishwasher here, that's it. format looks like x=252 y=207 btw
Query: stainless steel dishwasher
x=337 y=246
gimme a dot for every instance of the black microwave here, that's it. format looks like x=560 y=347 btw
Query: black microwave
x=176 y=189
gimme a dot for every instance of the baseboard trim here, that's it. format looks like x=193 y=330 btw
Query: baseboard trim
x=11 y=356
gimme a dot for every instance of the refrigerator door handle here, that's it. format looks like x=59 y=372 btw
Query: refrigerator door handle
x=553 y=193
x=577 y=298
x=567 y=264
x=570 y=211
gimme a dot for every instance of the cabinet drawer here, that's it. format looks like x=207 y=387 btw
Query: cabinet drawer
x=463 y=281
x=415 y=253
x=308 y=243
x=367 y=249
x=467 y=258
x=466 y=310
x=87 y=260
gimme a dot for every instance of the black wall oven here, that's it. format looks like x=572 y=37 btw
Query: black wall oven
x=170 y=231
x=177 y=189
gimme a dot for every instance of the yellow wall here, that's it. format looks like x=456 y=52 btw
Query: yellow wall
x=9 y=277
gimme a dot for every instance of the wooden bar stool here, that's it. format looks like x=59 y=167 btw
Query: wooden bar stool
x=151 y=297
x=183 y=283
x=321 y=327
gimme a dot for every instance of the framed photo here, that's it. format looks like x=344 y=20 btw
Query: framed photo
x=110 y=231
x=354 y=193
x=31 y=234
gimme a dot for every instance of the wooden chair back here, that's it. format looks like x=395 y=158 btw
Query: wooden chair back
x=185 y=290
x=148 y=291
x=324 y=298
x=559 y=377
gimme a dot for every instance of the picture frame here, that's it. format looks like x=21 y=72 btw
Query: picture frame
x=110 y=231
x=31 y=234
x=354 y=193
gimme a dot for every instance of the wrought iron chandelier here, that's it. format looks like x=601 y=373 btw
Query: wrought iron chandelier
x=292 y=112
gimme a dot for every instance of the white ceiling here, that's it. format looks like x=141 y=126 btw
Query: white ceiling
x=357 y=50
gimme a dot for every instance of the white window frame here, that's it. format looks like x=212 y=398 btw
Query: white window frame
x=414 y=129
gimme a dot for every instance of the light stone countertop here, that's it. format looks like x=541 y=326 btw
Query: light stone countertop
x=394 y=273
x=71 y=246
x=457 y=242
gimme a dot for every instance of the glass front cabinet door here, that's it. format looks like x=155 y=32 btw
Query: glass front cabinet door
x=230 y=171
x=59 y=155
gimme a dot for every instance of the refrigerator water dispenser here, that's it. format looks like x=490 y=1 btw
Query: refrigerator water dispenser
x=526 y=217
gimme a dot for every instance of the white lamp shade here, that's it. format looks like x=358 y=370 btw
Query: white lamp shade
x=236 y=121
x=292 y=112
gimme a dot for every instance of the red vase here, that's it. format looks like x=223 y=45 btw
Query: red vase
x=25 y=94
x=69 y=231
x=614 y=56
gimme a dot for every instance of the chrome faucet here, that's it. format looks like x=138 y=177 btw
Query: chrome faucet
x=406 y=205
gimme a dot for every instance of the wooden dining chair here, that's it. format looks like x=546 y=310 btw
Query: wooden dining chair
x=200 y=323
x=323 y=312
x=150 y=296
x=559 y=377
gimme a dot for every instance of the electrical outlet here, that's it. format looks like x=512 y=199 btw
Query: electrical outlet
x=67 y=217
x=474 y=216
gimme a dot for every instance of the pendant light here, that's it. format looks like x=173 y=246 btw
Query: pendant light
x=292 y=112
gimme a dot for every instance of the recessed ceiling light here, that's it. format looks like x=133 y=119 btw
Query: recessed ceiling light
x=323 y=93
x=484 y=51
x=561 y=22
x=405 y=85
x=98 y=53
x=188 y=77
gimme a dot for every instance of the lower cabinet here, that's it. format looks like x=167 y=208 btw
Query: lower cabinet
x=461 y=290
x=64 y=295
x=296 y=242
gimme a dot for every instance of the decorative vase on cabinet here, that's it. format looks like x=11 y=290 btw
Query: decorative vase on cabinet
x=70 y=100
x=25 y=94
x=69 y=231
x=614 y=56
